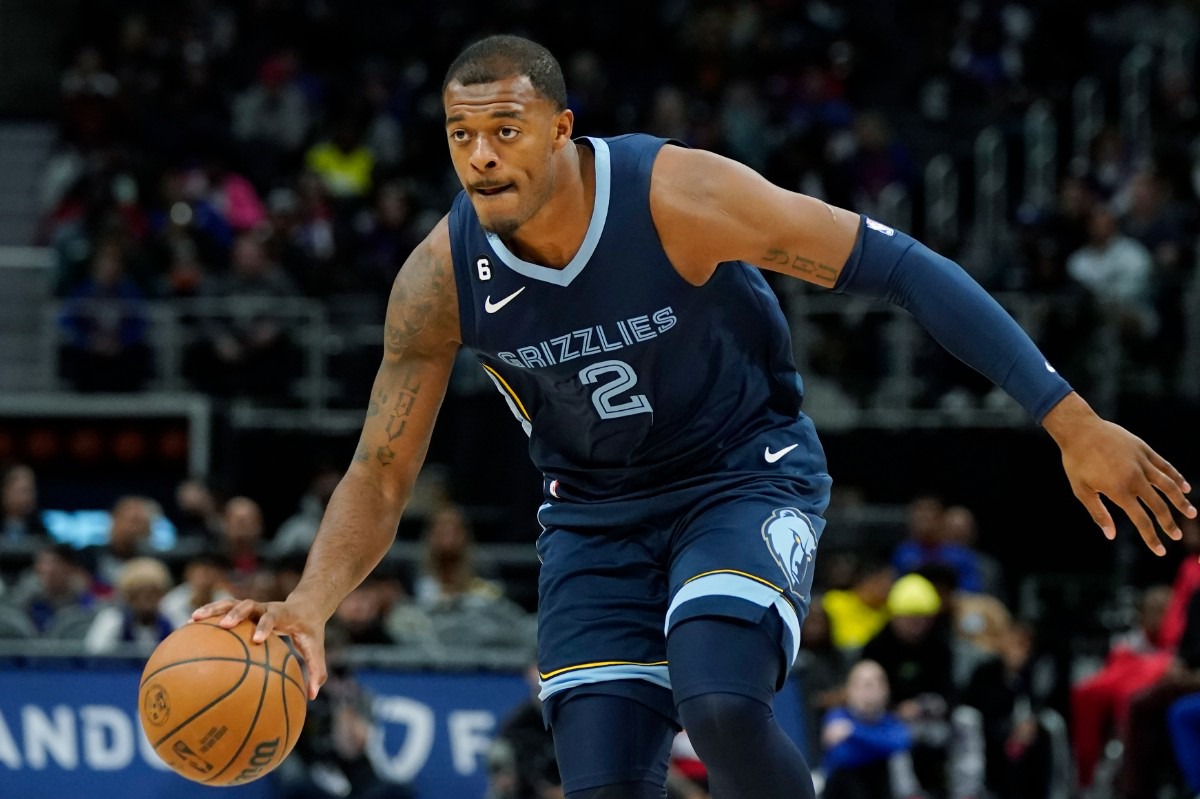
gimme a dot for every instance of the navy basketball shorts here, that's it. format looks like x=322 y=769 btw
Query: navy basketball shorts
x=608 y=598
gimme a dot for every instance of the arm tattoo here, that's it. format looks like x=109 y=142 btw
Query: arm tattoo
x=417 y=301
x=401 y=406
x=805 y=267
x=417 y=311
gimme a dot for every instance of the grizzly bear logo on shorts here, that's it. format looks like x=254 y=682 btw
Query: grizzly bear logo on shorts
x=793 y=543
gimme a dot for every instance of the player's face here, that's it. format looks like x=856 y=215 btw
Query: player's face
x=502 y=139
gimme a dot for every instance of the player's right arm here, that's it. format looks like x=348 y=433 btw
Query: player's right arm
x=359 y=524
x=709 y=210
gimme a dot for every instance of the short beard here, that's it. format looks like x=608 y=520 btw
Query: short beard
x=504 y=228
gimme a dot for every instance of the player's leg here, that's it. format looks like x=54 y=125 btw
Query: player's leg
x=610 y=746
x=741 y=573
x=724 y=673
x=602 y=661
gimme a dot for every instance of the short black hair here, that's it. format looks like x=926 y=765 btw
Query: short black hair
x=503 y=56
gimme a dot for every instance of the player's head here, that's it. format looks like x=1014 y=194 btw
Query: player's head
x=506 y=117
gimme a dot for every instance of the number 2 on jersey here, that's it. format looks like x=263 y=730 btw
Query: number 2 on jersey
x=605 y=395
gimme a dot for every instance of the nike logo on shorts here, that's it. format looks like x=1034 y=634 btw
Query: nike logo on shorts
x=771 y=457
x=492 y=307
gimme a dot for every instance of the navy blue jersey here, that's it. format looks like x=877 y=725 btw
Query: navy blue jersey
x=629 y=380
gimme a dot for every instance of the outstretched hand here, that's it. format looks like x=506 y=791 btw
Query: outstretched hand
x=280 y=618
x=1103 y=459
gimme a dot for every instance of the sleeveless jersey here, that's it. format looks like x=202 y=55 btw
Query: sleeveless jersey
x=629 y=380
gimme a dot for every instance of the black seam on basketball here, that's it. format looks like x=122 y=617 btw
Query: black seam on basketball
x=222 y=660
x=253 y=722
x=226 y=660
x=287 y=721
x=236 y=637
x=210 y=705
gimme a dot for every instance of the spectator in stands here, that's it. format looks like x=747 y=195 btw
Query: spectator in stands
x=960 y=528
x=343 y=162
x=1119 y=271
x=185 y=223
x=1152 y=220
x=300 y=238
x=383 y=133
x=133 y=618
x=407 y=623
x=242 y=546
x=975 y=623
x=54 y=583
x=203 y=582
x=249 y=350
x=362 y=615
x=197 y=517
x=466 y=609
x=91 y=110
x=1162 y=227
x=857 y=613
x=227 y=191
x=926 y=542
x=386 y=234
x=128 y=538
x=1144 y=737
x=1100 y=702
x=868 y=748
x=297 y=532
x=20 y=518
x=271 y=117
x=822 y=669
x=1111 y=164
x=1004 y=690
x=916 y=651
x=331 y=757
x=104 y=325
x=879 y=160
x=447 y=570
x=521 y=762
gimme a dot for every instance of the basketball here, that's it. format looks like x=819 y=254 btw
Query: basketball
x=219 y=709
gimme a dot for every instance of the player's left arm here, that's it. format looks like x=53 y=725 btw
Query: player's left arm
x=709 y=209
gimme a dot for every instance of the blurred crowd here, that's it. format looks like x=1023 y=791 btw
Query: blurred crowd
x=924 y=676
x=221 y=548
x=249 y=153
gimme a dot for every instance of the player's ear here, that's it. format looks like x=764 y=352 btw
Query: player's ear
x=564 y=126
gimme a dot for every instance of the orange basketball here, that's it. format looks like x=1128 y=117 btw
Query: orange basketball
x=218 y=708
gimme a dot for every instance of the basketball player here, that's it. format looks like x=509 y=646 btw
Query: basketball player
x=611 y=290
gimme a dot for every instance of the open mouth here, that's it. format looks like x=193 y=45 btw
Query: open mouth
x=492 y=191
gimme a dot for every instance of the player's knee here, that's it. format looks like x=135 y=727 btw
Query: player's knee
x=723 y=722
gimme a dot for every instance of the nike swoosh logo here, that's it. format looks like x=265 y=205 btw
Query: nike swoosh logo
x=771 y=457
x=492 y=307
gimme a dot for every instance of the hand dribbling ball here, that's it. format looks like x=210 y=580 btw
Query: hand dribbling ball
x=218 y=708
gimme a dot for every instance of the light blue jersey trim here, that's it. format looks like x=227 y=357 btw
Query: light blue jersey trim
x=653 y=674
x=564 y=276
x=734 y=585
